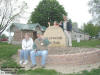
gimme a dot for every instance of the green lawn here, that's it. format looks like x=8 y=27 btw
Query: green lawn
x=8 y=50
x=39 y=71
x=89 y=43
x=52 y=72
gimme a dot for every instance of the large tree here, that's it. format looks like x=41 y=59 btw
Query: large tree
x=91 y=29
x=47 y=11
x=10 y=10
x=95 y=10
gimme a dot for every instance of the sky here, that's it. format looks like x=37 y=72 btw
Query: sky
x=77 y=10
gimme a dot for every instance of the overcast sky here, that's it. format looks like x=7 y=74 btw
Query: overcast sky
x=77 y=10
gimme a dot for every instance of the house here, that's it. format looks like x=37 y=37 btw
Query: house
x=76 y=33
x=81 y=35
x=20 y=30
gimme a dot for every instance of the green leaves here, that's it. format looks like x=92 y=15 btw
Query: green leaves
x=47 y=11
x=91 y=29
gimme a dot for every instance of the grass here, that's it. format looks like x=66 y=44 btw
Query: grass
x=39 y=71
x=6 y=53
x=89 y=44
x=9 y=63
x=8 y=50
x=92 y=72
x=52 y=72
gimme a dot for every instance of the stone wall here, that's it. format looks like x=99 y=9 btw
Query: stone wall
x=72 y=59
x=76 y=59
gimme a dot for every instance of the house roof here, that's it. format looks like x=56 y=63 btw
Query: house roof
x=28 y=26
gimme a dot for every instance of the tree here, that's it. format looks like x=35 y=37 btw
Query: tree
x=91 y=29
x=47 y=11
x=95 y=10
x=10 y=10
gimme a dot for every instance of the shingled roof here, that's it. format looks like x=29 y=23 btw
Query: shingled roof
x=28 y=26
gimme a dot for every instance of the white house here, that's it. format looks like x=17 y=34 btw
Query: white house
x=76 y=33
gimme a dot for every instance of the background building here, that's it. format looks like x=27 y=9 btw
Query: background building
x=76 y=33
x=20 y=30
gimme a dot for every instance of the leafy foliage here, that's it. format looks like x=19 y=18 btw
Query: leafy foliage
x=91 y=29
x=47 y=11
